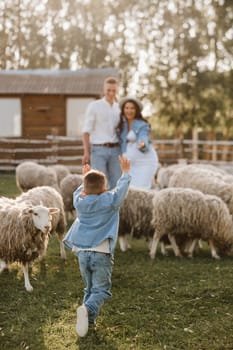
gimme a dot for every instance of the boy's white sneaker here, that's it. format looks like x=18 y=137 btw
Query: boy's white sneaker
x=82 y=321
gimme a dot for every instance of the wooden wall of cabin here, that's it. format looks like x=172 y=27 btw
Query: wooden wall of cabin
x=43 y=115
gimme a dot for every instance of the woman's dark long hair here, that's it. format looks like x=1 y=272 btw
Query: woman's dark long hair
x=137 y=116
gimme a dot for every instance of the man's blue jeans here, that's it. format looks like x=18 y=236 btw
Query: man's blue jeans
x=106 y=159
x=96 y=272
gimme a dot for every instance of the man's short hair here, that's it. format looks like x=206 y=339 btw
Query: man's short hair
x=94 y=182
x=110 y=80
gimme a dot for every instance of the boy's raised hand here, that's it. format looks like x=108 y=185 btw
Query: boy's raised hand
x=124 y=164
x=85 y=169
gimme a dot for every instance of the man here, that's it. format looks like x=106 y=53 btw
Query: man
x=100 y=141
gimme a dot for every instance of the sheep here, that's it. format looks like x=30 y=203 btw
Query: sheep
x=67 y=187
x=190 y=213
x=49 y=197
x=204 y=180
x=24 y=234
x=30 y=174
x=165 y=173
x=61 y=171
x=136 y=216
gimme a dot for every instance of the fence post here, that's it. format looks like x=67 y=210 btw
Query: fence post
x=195 y=154
x=181 y=147
x=54 y=148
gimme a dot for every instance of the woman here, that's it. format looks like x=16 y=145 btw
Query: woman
x=134 y=136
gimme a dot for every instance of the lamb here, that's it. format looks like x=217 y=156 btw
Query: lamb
x=190 y=213
x=24 y=234
x=30 y=175
x=48 y=197
x=204 y=180
x=67 y=186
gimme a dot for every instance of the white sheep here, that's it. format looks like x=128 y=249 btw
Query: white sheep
x=164 y=173
x=48 y=197
x=24 y=234
x=135 y=217
x=190 y=213
x=67 y=187
x=30 y=174
x=61 y=171
x=206 y=181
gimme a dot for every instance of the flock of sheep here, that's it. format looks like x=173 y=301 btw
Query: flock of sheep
x=190 y=203
x=40 y=211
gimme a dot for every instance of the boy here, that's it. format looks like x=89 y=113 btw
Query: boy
x=93 y=237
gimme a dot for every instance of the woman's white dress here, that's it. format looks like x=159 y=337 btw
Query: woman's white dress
x=143 y=164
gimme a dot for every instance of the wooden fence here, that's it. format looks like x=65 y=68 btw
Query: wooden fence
x=68 y=151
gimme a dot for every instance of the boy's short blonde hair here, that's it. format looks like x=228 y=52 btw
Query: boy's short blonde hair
x=94 y=182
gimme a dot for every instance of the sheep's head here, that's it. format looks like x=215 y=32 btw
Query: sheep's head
x=42 y=217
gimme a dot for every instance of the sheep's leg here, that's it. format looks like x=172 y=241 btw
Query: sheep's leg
x=62 y=249
x=191 y=248
x=154 y=245
x=200 y=245
x=213 y=250
x=163 y=249
x=3 y=266
x=124 y=244
x=27 y=283
x=174 y=245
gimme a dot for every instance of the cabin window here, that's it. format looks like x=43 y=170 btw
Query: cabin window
x=76 y=108
x=10 y=117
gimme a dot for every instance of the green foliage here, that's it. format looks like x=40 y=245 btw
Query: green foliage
x=169 y=303
x=161 y=48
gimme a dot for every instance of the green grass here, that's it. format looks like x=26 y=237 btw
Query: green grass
x=165 y=304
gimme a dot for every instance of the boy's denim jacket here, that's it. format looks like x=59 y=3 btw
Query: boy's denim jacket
x=98 y=216
x=142 y=132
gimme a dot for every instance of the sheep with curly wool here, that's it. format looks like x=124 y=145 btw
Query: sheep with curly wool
x=67 y=187
x=204 y=180
x=30 y=174
x=165 y=173
x=24 y=234
x=192 y=214
x=135 y=217
x=48 y=197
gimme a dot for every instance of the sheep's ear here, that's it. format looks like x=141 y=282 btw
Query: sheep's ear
x=54 y=210
x=28 y=210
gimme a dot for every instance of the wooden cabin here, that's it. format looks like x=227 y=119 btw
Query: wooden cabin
x=37 y=103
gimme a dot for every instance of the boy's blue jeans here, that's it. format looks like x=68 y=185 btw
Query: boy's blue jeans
x=96 y=272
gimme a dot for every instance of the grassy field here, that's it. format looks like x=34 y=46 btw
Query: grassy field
x=165 y=304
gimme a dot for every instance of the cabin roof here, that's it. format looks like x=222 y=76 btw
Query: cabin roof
x=42 y=81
